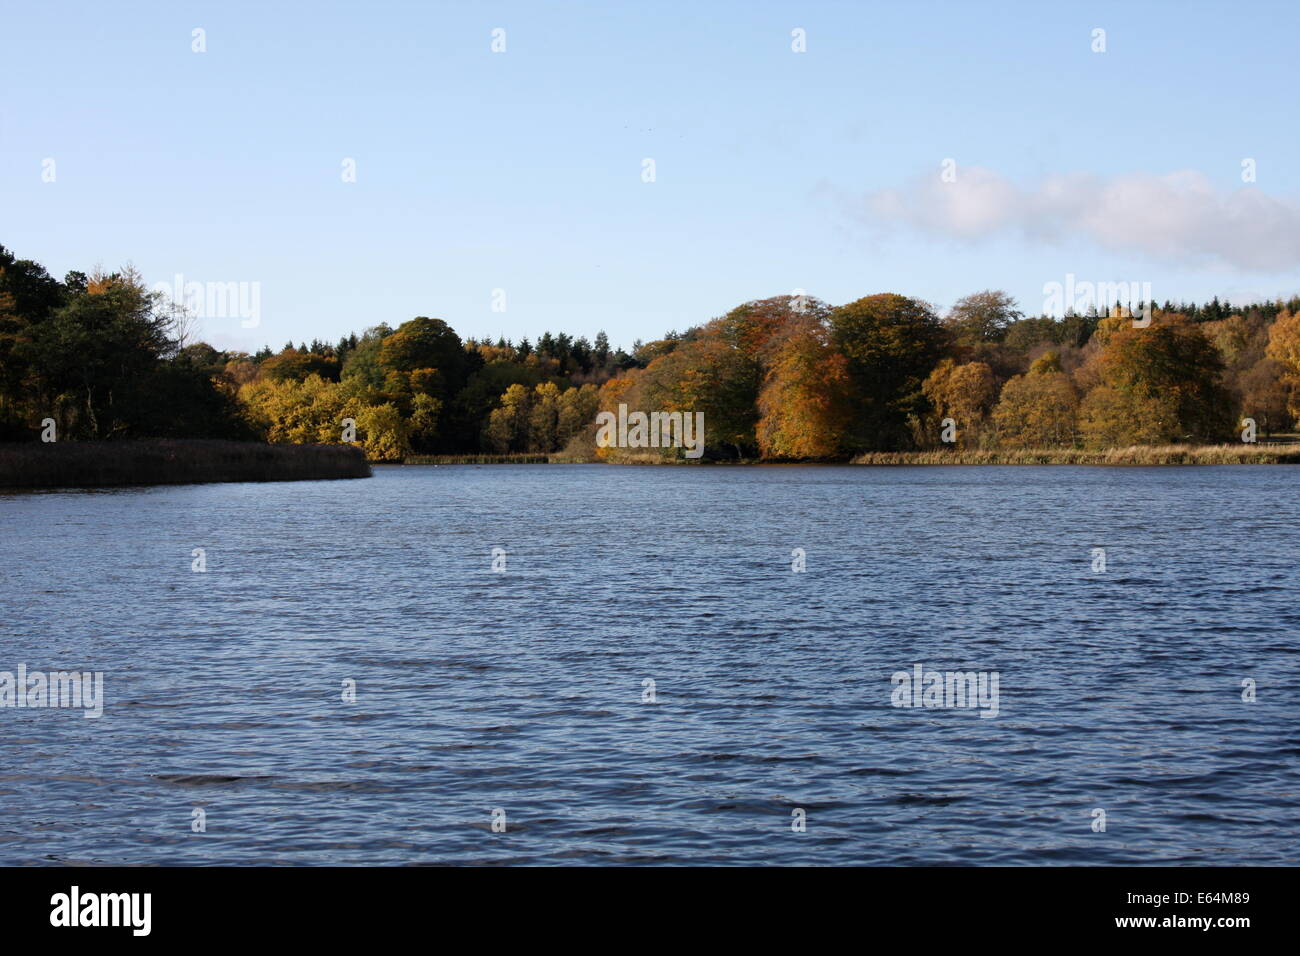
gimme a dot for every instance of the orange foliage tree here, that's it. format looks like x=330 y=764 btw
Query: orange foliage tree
x=805 y=404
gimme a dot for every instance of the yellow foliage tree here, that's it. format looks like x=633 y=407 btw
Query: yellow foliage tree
x=507 y=427
x=1112 y=418
x=578 y=407
x=1284 y=347
x=544 y=418
x=963 y=393
x=313 y=410
x=1037 y=410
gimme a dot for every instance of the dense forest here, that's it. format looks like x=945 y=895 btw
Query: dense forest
x=781 y=378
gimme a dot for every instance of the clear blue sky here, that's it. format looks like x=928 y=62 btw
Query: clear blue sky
x=522 y=170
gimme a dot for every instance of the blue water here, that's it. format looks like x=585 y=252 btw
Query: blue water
x=522 y=690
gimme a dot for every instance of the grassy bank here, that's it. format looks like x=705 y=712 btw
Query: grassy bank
x=97 y=464
x=1136 y=455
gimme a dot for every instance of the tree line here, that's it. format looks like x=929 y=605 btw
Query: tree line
x=781 y=378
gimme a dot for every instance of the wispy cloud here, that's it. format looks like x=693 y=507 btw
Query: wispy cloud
x=1177 y=217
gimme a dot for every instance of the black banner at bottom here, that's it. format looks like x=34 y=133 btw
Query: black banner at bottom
x=336 y=905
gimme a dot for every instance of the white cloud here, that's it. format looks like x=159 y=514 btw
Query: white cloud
x=1178 y=217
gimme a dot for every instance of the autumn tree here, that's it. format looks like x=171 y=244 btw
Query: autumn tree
x=711 y=375
x=92 y=353
x=422 y=421
x=578 y=408
x=1039 y=409
x=507 y=425
x=1168 y=370
x=756 y=327
x=1284 y=340
x=313 y=411
x=805 y=402
x=1284 y=347
x=1023 y=335
x=1268 y=395
x=1113 y=417
x=982 y=317
x=544 y=419
x=964 y=393
x=890 y=343
x=423 y=343
x=296 y=365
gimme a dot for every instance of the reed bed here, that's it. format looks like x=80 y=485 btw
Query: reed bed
x=1242 y=454
x=96 y=464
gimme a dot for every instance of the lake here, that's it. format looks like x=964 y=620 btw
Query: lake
x=639 y=676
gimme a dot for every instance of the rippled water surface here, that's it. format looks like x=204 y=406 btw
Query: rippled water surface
x=522 y=690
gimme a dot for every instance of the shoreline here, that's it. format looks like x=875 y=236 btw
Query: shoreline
x=1136 y=455
x=171 y=461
